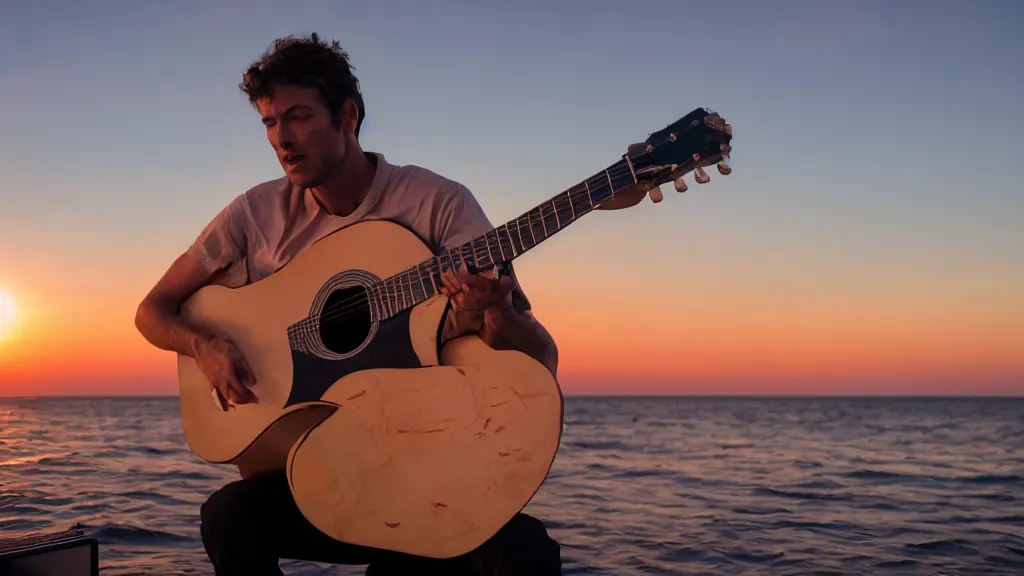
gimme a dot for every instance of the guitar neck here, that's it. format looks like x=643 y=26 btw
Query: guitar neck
x=501 y=244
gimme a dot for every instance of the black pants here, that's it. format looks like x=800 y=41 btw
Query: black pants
x=249 y=525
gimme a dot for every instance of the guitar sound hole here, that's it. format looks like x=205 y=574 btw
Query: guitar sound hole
x=345 y=320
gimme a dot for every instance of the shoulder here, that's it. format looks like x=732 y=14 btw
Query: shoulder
x=258 y=195
x=427 y=183
x=264 y=193
x=260 y=202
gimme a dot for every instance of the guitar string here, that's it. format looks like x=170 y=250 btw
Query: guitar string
x=356 y=304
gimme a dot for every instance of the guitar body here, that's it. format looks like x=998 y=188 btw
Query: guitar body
x=388 y=440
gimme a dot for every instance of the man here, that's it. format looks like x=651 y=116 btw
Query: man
x=312 y=108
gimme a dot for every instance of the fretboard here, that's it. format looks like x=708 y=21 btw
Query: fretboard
x=501 y=244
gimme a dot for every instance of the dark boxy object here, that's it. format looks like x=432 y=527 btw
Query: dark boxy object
x=67 y=553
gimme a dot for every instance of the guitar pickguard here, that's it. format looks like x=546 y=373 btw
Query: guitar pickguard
x=389 y=347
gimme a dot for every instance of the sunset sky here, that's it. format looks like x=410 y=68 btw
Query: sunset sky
x=869 y=241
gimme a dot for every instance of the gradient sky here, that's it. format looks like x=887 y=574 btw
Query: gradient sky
x=869 y=241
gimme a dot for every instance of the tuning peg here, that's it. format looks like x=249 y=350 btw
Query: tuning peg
x=699 y=174
x=655 y=194
x=638 y=148
x=723 y=164
x=677 y=179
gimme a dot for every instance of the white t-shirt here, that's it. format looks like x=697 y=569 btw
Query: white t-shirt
x=263 y=228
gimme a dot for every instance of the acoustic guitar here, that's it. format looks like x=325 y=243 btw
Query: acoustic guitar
x=389 y=438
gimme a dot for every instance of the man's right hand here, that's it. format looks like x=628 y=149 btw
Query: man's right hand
x=225 y=367
x=159 y=321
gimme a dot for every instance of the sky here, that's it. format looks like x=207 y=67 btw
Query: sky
x=869 y=240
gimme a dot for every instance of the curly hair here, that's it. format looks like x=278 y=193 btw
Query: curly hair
x=309 y=63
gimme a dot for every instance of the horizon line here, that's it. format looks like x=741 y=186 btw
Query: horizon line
x=1019 y=396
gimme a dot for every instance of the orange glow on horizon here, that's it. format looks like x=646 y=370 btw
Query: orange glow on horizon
x=698 y=340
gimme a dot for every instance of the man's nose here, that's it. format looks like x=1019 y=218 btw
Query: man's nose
x=284 y=138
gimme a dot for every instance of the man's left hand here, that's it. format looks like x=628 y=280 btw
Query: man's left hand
x=477 y=292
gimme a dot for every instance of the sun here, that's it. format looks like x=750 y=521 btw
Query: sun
x=7 y=315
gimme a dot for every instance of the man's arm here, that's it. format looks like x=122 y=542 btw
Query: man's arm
x=220 y=244
x=158 y=317
x=510 y=329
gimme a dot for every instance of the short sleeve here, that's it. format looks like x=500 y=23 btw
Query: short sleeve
x=222 y=242
x=459 y=219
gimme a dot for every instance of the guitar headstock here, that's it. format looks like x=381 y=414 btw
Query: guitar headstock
x=699 y=139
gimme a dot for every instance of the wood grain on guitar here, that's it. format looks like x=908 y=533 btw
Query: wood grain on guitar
x=389 y=441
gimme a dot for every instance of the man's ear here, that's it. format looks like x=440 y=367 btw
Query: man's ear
x=349 y=116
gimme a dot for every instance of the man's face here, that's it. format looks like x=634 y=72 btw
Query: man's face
x=299 y=128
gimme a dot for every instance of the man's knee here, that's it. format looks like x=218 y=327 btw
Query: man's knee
x=522 y=546
x=221 y=516
x=531 y=533
x=524 y=526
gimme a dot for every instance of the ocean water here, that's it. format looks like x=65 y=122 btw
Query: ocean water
x=640 y=486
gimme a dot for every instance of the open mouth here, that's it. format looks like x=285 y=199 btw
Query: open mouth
x=294 y=159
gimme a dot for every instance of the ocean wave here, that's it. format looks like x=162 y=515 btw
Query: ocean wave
x=127 y=535
x=664 y=486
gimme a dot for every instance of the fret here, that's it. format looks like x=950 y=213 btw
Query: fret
x=611 y=187
x=568 y=205
x=530 y=236
x=543 y=223
x=572 y=209
x=397 y=295
x=480 y=253
x=554 y=210
x=543 y=226
x=498 y=241
x=430 y=274
x=458 y=258
x=506 y=239
x=560 y=209
x=406 y=293
x=386 y=299
x=451 y=261
x=519 y=231
x=400 y=291
x=466 y=254
x=434 y=280
x=412 y=294
x=423 y=287
x=475 y=244
x=396 y=285
x=375 y=295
